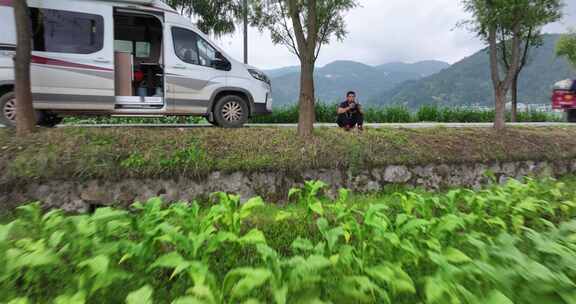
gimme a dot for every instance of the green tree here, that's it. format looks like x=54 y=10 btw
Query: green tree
x=507 y=22
x=303 y=26
x=25 y=116
x=537 y=14
x=216 y=17
x=566 y=47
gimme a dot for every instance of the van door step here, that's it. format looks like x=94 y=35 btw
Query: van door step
x=139 y=101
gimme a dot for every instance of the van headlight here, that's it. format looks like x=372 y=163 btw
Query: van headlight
x=259 y=75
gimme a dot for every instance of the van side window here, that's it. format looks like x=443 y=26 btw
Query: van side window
x=66 y=32
x=206 y=51
x=185 y=45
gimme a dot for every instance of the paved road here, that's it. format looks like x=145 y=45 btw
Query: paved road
x=329 y=125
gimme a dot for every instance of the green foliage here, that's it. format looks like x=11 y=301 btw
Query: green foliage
x=512 y=243
x=566 y=47
x=326 y=113
x=302 y=26
x=511 y=18
x=212 y=17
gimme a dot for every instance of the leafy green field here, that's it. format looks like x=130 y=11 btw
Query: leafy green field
x=514 y=243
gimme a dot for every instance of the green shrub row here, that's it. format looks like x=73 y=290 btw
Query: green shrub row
x=514 y=243
x=326 y=113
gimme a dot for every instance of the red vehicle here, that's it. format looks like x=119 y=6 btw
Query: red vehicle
x=564 y=98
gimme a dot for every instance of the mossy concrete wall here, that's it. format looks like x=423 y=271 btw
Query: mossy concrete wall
x=77 y=196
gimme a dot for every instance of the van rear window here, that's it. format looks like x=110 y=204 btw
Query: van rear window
x=66 y=32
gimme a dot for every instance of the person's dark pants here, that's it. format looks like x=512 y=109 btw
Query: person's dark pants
x=350 y=120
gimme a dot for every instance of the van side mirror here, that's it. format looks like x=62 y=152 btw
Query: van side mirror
x=221 y=64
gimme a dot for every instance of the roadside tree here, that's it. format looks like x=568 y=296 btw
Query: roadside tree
x=303 y=26
x=566 y=47
x=509 y=24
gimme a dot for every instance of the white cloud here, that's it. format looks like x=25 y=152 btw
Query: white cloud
x=383 y=31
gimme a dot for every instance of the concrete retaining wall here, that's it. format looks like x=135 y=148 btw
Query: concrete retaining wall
x=76 y=196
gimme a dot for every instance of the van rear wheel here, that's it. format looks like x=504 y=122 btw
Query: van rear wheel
x=8 y=109
x=231 y=112
x=8 y=113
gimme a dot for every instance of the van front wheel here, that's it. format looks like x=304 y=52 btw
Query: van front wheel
x=231 y=112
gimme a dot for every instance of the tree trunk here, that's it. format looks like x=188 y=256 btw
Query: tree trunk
x=25 y=116
x=307 y=115
x=500 y=109
x=501 y=87
x=514 y=89
x=245 y=19
x=499 y=98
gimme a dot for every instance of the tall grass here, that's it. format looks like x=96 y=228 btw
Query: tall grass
x=326 y=113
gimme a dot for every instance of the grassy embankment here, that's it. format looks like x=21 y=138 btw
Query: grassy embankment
x=514 y=243
x=76 y=153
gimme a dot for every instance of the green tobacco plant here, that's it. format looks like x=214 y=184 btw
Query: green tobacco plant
x=309 y=196
x=509 y=243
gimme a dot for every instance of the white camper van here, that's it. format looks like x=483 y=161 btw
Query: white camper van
x=126 y=58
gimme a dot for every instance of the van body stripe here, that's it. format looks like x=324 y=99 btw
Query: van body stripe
x=56 y=62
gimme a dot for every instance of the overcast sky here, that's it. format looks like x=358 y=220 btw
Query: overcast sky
x=381 y=31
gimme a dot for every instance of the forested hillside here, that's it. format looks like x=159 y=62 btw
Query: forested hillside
x=333 y=80
x=468 y=81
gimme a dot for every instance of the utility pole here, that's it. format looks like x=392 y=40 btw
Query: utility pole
x=245 y=13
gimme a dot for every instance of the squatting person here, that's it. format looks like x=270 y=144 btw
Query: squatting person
x=350 y=113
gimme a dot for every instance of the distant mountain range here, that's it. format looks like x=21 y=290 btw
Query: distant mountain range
x=335 y=79
x=468 y=81
x=428 y=82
